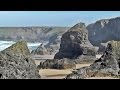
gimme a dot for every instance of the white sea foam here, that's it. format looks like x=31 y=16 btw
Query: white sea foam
x=6 y=44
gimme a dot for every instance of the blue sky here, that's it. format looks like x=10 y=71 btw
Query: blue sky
x=53 y=18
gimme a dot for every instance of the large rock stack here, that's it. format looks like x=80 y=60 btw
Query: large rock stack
x=16 y=64
x=107 y=65
x=75 y=43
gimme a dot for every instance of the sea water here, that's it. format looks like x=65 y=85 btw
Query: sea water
x=6 y=44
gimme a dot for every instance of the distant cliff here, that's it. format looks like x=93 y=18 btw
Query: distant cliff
x=104 y=30
x=30 y=34
x=101 y=31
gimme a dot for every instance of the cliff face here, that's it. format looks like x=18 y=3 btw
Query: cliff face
x=30 y=34
x=104 y=30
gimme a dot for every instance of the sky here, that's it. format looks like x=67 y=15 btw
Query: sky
x=52 y=18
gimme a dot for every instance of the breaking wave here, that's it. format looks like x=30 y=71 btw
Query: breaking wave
x=6 y=44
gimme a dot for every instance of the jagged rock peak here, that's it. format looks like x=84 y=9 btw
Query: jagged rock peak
x=103 y=21
x=19 y=48
x=78 y=26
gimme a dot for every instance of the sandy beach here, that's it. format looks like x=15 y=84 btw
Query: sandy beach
x=60 y=74
x=57 y=74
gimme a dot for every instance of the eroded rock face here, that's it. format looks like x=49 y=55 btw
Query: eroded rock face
x=54 y=43
x=30 y=34
x=19 y=48
x=102 y=47
x=41 y=50
x=16 y=64
x=107 y=65
x=55 y=39
x=75 y=43
x=104 y=30
x=57 y=64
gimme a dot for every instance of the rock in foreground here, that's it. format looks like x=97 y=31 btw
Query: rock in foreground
x=16 y=64
x=19 y=48
x=107 y=65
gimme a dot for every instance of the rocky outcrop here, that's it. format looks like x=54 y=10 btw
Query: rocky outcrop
x=19 y=48
x=57 y=64
x=107 y=65
x=104 y=30
x=54 y=43
x=30 y=34
x=55 y=39
x=102 y=47
x=41 y=50
x=16 y=64
x=83 y=59
x=75 y=42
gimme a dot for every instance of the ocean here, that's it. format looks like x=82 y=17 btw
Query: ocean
x=6 y=44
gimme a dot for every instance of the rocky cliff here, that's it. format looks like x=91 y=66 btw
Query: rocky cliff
x=30 y=34
x=104 y=30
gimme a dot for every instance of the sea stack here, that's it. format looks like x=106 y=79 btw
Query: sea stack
x=75 y=43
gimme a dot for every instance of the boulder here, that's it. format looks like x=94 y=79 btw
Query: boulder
x=57 y=64
x=74 y=43
x=16 y=64
x=107 y=65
